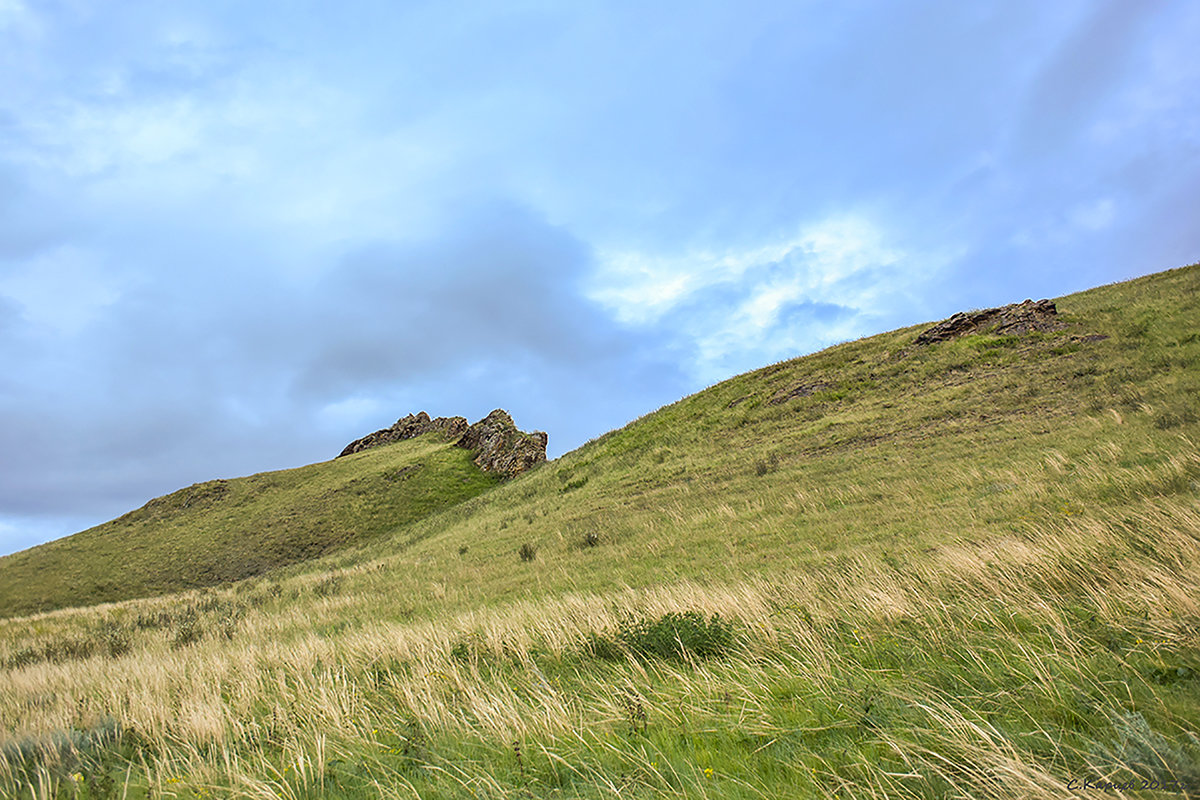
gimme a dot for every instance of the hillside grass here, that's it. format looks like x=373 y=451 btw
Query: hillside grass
x=226 y=530
x=968 y=570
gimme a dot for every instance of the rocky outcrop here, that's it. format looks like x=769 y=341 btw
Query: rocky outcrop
x=1013 y=319
x=500 y=448
x=498 y=445
x=407 y=428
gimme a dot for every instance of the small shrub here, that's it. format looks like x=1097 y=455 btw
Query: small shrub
x=327 y=586
x=113 y=642
x=527 y=552
x=762 y=467
x=116 y=638
x=228 y=620
x=188 y=629
x=469 y=648
x=153 y=620
x=1174 y=419
x=678 y=635
x=635 y=712
x=462 y=549
x=578 y=483
x=22 y=657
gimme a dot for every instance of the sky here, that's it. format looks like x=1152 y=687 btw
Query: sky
x=236 y=236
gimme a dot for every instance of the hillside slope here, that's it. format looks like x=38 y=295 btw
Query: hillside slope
x=226 y=530
x=966 y=568
x=874 y=446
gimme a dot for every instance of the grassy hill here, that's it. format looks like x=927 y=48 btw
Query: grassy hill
x=226 y=530
x=966 y=569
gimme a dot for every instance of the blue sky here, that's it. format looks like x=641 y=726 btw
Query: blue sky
x=233 y=237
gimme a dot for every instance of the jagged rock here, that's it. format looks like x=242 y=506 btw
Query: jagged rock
x=1012 y=319
x=406 y=428
x=501 y=448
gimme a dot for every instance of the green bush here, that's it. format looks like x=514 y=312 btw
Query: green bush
x=678 y=635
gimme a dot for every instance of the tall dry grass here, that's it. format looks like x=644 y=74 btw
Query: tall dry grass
x=953 y=673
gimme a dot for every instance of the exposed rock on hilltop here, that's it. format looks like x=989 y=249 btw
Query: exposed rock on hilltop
x=407 y=428
x=1012 y=319
x=498 y=445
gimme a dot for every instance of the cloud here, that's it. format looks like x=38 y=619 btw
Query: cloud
x=832 y=280
x=500 y=286
x=32 y=218
x=186 y=374
x=59 y=291
x=1082 y=74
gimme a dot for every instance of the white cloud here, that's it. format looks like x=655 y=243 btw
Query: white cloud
x=640 y=289
x=739 y=308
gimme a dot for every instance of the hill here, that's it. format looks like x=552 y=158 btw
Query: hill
x=226 y=530
x=948 y=561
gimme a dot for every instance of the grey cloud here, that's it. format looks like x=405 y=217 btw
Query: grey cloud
x=506 y=285
x=32 y=219
x=1086 y=68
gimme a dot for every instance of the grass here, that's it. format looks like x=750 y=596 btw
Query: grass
x=227 y=530
x=968 y=570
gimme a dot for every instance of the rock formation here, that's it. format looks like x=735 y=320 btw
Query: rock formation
x=1012 y=319
x=406 y=428
x=498 y=445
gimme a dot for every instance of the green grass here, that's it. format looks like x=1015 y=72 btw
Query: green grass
x=967 y=570
x=227 y=530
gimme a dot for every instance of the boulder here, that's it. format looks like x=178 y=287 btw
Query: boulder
x=1012 y=320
